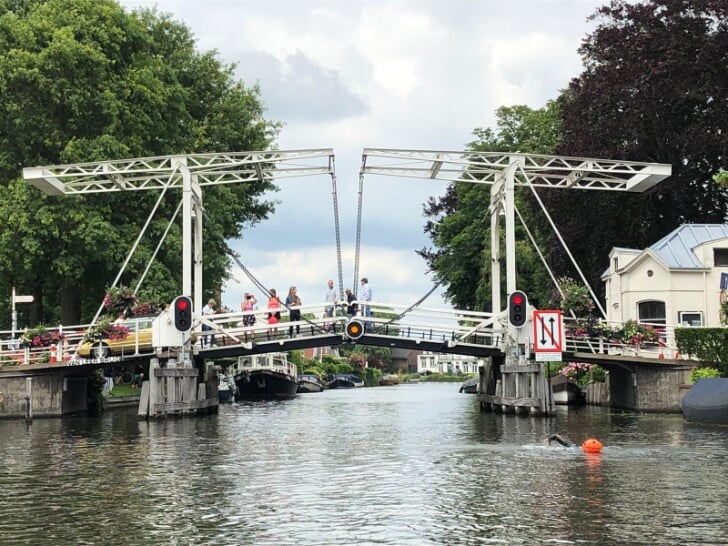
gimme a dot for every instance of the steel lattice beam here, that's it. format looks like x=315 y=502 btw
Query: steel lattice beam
x=536 y=170
x=156 y=173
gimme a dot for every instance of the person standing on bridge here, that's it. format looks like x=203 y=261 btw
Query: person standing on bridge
x=208 y=310
x=365 y=295
x=293 y=302
x=247 y=306
x=331 y=298
x=351 y=306
x=274 y=315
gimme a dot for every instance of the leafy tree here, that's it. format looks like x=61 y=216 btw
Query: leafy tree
x=459 y=224
x=654 y=89
x=84 y=80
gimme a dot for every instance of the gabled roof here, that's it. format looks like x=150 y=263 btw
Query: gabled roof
x=677 y=249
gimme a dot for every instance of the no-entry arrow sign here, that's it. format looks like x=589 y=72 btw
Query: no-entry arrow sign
x=548 y=332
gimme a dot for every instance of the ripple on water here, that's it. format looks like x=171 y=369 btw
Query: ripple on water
x=409 y=465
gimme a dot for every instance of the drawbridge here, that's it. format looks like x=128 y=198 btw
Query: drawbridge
x=393 y=324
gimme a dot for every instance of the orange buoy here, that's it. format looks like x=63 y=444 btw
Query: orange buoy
x=591 y=446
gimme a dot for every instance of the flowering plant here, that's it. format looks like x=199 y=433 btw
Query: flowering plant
x=147 y=308
x=575 y=298
x=106 y=329
x=119 y=299
x=634 y=333
x=40 y=336
x=574 y=371
x=592 y=327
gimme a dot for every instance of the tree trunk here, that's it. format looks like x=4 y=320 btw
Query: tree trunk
x=70 y=305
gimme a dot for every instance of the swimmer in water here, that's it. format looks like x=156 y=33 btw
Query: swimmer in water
x=561 y=440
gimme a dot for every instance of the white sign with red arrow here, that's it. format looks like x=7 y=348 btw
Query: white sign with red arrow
x=548 y=332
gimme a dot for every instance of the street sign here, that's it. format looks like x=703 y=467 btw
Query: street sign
x=549 y=357
x=548 y=332
x=23 y=299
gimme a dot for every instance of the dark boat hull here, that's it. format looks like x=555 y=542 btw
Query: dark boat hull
x=341 y=384
x=309 y=386
x=224 y=395
x=707 y=401
x=470 y=386
x=265 y=384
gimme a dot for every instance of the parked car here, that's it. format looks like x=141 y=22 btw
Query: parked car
x=139 y=340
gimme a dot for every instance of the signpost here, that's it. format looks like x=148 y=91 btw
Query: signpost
x=17 y=299
x=548 y=335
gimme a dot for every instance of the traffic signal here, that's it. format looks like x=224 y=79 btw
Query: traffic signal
x=182 y=308
x=354 y=329
x=517 y=306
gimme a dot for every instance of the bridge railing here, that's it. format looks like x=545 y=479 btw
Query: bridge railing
x=664 y=346
x=455 y=327
x=431 y=324
x=420 y=323
x=25 y=350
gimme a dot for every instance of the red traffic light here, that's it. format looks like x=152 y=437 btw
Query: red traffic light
x=517 y=303
x=182 y=310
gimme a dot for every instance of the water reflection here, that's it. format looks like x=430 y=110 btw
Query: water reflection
x=412 y=464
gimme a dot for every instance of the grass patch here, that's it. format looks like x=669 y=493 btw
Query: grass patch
x=124 y=390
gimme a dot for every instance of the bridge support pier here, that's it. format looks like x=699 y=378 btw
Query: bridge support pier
x=173 y=389
x=523 y=387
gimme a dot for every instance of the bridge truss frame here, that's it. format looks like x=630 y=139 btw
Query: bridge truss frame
x=503 y=172
x=190 y=173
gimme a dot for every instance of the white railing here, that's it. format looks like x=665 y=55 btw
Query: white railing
x=450 y=326
x=665 y=346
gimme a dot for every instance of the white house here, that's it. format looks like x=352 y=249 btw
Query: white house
x=446 y=363
x=678 y=281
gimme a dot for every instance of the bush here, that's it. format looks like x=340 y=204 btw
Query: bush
x=704 y=372
x=709 y=345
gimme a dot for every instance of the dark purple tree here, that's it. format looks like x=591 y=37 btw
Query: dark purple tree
x=654 y=89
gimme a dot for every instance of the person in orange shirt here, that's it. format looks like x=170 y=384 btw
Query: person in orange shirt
x=274 y=316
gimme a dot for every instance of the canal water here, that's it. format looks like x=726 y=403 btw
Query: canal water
x=402 y=465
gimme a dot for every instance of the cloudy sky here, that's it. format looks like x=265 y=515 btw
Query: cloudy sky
x=391 y=74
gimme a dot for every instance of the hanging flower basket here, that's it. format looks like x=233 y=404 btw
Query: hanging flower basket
x=119 y=300
x=107 y=330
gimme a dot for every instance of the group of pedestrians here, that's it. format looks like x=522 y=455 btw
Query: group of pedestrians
x=273 y=316
x=349 y=303
x=248 y=306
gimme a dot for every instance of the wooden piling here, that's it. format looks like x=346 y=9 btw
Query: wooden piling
x=522 y=388
x=173 y=389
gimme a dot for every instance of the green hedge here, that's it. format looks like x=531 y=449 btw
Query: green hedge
x=709 y=345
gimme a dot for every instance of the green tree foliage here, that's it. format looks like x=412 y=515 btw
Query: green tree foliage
x=655 y=89
x=84 y=81
x=458 y=223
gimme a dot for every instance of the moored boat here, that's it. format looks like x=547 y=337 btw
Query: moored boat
x=265 y=376
x=470 y=386
x=390 y=379
x=565 y=392
x=707 y=401
x=309 y=382
x=225 y=388
x=345 y=381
